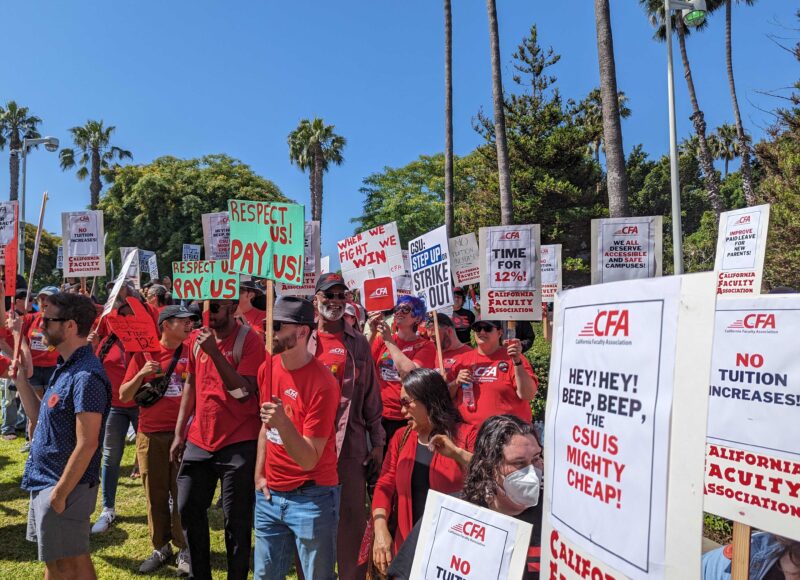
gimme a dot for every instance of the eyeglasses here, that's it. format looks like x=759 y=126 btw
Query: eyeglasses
x=278 y=324
x=331 y=295
x=402 y=309
x=484 y=328
x=46 y=320
x=406 y=402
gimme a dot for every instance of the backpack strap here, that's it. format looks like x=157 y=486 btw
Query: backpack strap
x=238 y=345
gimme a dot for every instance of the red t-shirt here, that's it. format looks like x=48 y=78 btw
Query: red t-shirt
x=310 y=399
x=332 y=353
x=494 y=385
x=114 y=364
x=163 y=415
x=256 y=319
x=4 y=364
x=421 y=351
x=41 y=354
x=219 y=418
x=450 y=358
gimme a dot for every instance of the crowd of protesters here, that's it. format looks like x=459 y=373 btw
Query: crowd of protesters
x=326 y=448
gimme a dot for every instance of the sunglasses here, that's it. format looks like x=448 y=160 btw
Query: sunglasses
x=406 y=402
x=402 y=310
x=278 y=324
x=484 y=328
x=331 y=295
x=46 y=320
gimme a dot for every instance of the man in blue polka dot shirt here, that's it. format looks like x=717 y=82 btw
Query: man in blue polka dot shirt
x=62 y=472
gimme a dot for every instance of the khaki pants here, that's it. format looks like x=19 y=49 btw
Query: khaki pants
x=159 y=477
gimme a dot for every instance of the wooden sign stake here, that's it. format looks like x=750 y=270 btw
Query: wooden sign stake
x=740 y=562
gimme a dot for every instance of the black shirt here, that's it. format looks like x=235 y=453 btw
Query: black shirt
x=420 y=481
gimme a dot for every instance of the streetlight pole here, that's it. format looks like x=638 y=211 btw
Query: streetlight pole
x=694 y=16
x=51 y=144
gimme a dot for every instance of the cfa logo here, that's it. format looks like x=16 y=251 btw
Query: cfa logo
x=471 y=530
x=489 y=372
x=510 y=235
x=381 y=292
x=336 y=350
x=745 y=219
x=607 y=323
x=627 y=231
x=291 y=393
x=754 y=321
x=83 y=218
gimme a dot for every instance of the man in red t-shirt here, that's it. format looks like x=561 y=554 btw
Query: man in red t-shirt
x=221 y=393
x=297 y=499
x=501 y=378
x=246 y=312
x=360 y=438
x=157 y=430
x=452 y=347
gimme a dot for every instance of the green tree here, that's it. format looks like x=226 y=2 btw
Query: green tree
x=15 y=125
x=611 y=126
x=46 y=273
x=655 y=12
x=501 y=144
x=727 y=145
x=158 y=206
x=94 y=154
x=313 y=146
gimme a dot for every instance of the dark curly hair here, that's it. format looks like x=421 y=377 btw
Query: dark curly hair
x=429 y=388
x=480 y=484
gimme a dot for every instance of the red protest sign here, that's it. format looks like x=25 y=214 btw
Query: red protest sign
x=379 y=294
x=137 y=333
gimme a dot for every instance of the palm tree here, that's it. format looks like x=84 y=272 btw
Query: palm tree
x=503 y=170
x=15 y=125
x=448 y=119
x=728 y=146
x=313 y=146
x=616 y=175
x=589 y=113
x=743 y=138
x=95 y=155
x=655 y=11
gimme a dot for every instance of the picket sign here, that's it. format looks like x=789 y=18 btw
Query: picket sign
x=465 y=260
x=204 y=280
x=373 y=253
x=325 y=265
x=112 y=296
x=83 y=243
x=378 y=294
x=627 y=248
x=625 y=425
x=458 y=539
x=9 y=244
x=137 y=333
x=311 y=267
x=152 y=267
x=190 y=253
x=133 y=273
x=216 y=235
x=741 y=247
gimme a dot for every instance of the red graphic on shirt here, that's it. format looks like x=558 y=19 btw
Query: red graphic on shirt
x=53 y=400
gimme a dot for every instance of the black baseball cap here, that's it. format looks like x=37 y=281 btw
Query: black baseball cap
x=459 y=290
x=328 y=281
x=496 y=323
x=176 y=311
x=443 y=319
x=293 y=309
x=252 y=286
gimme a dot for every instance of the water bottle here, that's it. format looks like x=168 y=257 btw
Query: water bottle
x=469 y=396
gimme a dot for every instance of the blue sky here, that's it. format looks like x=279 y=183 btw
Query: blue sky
x=188 y=78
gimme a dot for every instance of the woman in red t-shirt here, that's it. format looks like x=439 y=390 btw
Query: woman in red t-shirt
x=431 y=453
x=398 y=354
x=501 y=379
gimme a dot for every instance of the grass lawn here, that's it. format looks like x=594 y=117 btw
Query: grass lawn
x=116 y=554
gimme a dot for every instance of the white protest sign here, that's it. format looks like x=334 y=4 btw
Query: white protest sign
x=510 y=275
x=741 y=246
x=753 y=456
x=406 y=260
x=127 y=263
x=626 y=248
x=82 y=240
x=312 y=264
x=551 y=271
x=152 y=267
x=465 y=260
x=144 y=261
x=460 y=540
x=133 y=271
x=325 y=265
x=371 y=254
x=403 y=285
x=191 y=253
x=430 y=269
x=628 y=359
x=60 y=258
x=216 y=235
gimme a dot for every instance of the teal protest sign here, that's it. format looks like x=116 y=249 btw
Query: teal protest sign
x=267 y=240
x=204 y=280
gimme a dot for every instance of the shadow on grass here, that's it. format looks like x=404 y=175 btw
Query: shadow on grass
x=219 y=563
x=15 y=547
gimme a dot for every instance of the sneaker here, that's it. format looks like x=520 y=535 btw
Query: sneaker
x=107 y=516
x=25 y=448
x=10 y=437
x=183 y=563
x=156 y=560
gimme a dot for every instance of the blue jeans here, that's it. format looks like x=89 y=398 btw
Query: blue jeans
x=119 y=418
x=309 y=517
x=13 y=414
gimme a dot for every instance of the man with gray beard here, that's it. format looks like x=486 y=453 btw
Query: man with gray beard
x=360 y=438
